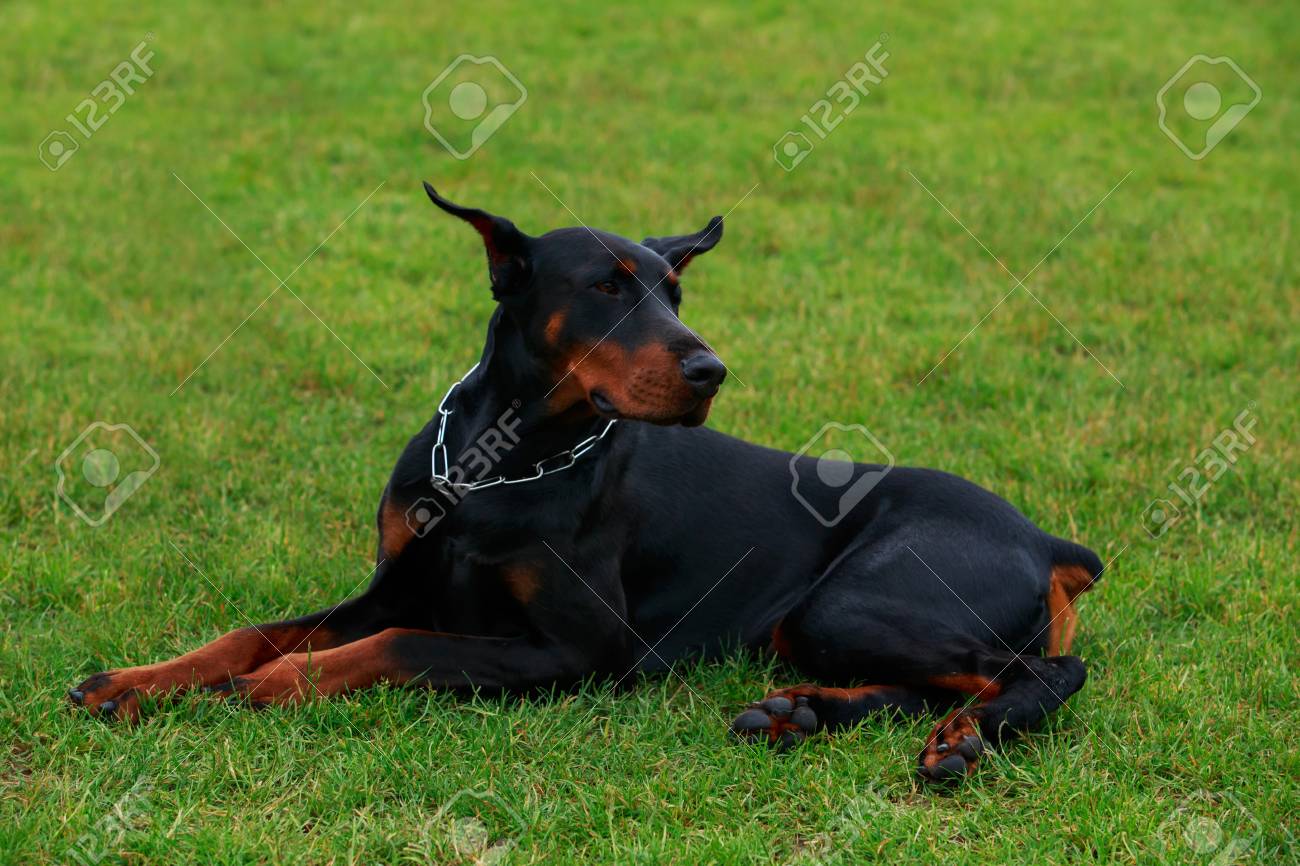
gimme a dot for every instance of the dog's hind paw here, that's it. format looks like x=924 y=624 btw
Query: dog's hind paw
x=953 y=750
x=779 y=721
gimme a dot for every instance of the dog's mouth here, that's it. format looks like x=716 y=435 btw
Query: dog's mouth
x=603 y=405
x=698 y=415
x=692 y=417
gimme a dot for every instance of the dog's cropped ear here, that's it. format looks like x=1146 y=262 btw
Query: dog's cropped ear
x=509 y=259
x=678 y=250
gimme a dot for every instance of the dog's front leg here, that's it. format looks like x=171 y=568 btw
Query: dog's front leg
x=116 y=693
x=574 y=628
x=404 y=656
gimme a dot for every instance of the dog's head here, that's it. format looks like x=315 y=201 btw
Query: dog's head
x=599 y=313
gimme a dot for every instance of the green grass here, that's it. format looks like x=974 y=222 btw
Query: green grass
x=837 y=288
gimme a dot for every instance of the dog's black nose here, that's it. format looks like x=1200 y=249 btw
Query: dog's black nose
x=704 y=372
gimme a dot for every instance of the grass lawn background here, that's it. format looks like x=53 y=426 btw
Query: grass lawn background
x=837 y=287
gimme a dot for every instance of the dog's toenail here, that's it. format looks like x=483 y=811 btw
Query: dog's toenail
x=107 y=708
x=76 y=695
x=942 y=747
x=971 y=748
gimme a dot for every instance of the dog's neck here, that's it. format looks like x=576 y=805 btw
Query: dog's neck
x=501 y=409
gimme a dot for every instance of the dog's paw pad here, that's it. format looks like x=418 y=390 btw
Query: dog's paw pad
x=953 y=750
x=779 y=721
x=971 y=748
x=951 y=766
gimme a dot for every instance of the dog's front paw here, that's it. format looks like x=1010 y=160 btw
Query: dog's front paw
x=109 y=695
x=779 y=720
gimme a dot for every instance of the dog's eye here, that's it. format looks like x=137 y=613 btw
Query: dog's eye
x=606 y=286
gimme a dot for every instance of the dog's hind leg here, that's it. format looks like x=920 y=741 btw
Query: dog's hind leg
x=1025 y=691
x=884 y=616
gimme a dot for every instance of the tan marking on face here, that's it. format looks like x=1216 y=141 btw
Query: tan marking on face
x=673 y=277
x=523 y=580
x=627 y=266
x=645 y=383
x=394 y=532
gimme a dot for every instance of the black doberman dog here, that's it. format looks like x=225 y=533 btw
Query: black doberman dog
x=561 y=546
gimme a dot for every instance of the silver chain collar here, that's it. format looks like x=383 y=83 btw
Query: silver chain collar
x=564 y=459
